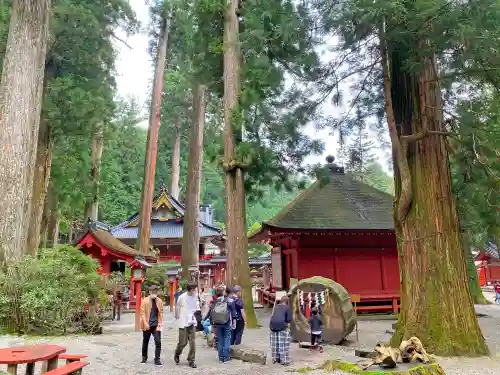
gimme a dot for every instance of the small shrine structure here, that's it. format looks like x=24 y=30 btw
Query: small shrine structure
x=342 y=229
x=112 y=254
x=167 y=228
x=487 y=263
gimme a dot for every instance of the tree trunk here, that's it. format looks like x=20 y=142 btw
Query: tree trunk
x=51 y=219
x=238 y=271
x=20 y=104
x=152 y=141
x=176 y=159
x=41 y=180
x=191 y=237
x=436 y=305
x=474 y=286
x=92 y=206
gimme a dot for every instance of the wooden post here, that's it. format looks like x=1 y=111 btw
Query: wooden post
x=138 y=301
x=172 y=297
x=152 y=141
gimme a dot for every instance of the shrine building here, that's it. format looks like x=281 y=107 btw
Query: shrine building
x=342 y=229
x=487 y=263
x=167 y=228
x=111 y=254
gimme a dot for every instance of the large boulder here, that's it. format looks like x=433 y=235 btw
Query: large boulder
x=339 y=318
x=246 y=354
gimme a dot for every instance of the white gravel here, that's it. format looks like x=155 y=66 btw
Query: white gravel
x=117 y=351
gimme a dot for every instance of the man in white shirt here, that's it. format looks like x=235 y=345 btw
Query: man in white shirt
x=187 y=304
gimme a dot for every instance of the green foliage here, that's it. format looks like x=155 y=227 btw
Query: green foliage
x=47 y=294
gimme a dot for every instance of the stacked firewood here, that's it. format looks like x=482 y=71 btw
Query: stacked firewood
x=410 y=350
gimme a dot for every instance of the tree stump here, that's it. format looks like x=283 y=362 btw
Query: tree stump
x=402 y=369
x=338 y=314
x=247 y=354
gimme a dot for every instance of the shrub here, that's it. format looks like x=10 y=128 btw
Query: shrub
x=47 y=294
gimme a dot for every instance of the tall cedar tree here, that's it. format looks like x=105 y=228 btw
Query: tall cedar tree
x=20 y=105
x=152 y=140
x=92 y=205
x=406 y=55
x=191 y=235
x=78 y=86
x=238 y=272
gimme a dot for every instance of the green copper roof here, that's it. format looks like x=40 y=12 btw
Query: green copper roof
x=337 y=201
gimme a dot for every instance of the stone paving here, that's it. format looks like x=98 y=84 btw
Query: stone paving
x=117 y=351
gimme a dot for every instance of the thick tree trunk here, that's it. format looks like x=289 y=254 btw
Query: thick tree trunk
x=41 y=180
x=436 y=305
x=238 y=271
x=20 y=104
x=92 y=206
x=152 y=141
x=191 y=237
x=176 y=160
x=50 y=220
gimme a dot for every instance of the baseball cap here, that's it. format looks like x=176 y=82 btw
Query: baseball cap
x=236 y=289
x=153 y=288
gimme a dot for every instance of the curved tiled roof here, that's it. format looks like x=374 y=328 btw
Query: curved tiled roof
x=337 y=201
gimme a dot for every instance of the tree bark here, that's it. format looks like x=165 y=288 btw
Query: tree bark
x=152 y=141
x=92 y=206
x=20 y=104
x=176 y=159
x=474 y=286
x=191 y=236
x=436 y=305
x=238 y=271
x=50 y=220
x=41 y=178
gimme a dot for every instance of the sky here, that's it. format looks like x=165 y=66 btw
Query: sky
x=135 y=72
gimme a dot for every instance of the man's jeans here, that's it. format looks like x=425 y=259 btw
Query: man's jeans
x=146 y=335
x=497 y=299
x=223 y=341
x=187 y=335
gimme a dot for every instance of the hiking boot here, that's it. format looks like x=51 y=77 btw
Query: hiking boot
x=144 y=360
x=177 y=359
x=158 y=362
x=192 y=365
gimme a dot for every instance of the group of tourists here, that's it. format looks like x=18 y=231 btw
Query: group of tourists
x=224 y=319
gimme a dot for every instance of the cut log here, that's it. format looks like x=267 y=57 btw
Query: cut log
x=247 y=354
x=337 y=312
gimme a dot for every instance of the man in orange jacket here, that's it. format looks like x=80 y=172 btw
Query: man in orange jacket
x=151 y=323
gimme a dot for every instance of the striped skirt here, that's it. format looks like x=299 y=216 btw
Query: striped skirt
x=280 y=346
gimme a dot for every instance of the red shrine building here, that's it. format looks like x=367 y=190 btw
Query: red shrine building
x=487 y=263
x=342 y=229
x=167 y=228
x=112 y=254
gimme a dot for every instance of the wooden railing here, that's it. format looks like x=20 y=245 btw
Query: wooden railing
x=177 y=258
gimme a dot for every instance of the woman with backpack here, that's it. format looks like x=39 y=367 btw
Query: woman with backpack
x=223 y=316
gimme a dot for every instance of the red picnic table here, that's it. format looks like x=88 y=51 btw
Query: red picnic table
x=29 y=355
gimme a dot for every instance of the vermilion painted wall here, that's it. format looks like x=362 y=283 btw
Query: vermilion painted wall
x=364 y=263
x=367 y=271
x=489 y=273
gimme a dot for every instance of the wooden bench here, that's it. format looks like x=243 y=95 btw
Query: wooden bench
x=74 y=368
x=70 y=358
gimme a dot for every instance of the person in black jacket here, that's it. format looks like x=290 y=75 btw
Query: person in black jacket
x=315 y=323
x=280 y=333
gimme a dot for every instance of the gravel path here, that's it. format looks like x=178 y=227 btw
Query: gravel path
x=117 y=351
